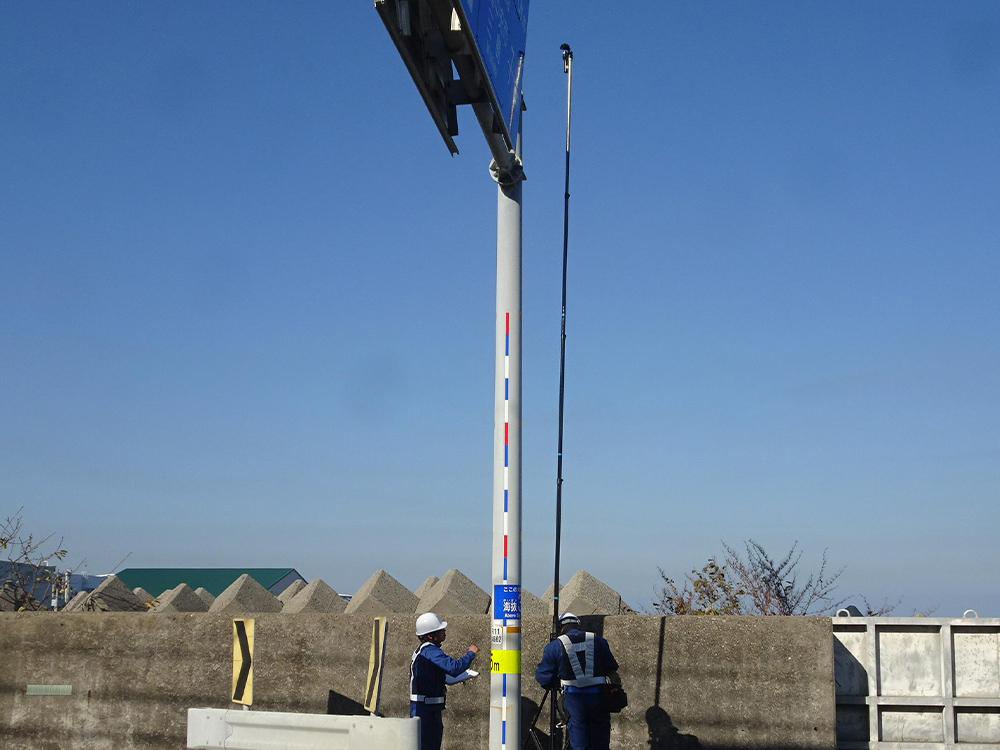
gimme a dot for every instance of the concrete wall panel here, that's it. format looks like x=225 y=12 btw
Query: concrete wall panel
x=693 y=681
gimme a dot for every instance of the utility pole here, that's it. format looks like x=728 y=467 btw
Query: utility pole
x=436 y=40
x=505 y=633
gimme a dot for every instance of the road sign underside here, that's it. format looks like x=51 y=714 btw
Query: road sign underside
x=456 y=59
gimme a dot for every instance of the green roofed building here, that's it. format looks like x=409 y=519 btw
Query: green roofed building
x=213 y=580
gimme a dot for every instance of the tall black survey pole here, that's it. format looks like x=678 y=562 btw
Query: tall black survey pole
x=567 y=54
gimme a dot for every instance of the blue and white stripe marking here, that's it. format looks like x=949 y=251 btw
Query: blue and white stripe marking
x=506 y=501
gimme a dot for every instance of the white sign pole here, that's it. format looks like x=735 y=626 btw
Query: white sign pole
x=505 y=669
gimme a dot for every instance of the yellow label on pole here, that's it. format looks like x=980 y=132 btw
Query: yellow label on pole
x=243 y=661
x=505 y=662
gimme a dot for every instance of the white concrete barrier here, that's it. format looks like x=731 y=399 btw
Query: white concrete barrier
x=270 y=730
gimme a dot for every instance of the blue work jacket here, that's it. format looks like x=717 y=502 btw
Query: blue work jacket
x=555 y=667
x=427 y=673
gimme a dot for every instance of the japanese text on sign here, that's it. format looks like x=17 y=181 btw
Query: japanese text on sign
x=506 y=602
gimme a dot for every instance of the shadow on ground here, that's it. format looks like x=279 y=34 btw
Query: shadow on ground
x=340 y=705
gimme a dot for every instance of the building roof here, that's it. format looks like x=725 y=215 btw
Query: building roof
x=213 y=580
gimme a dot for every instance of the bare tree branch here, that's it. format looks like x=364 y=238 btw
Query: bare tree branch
x=754 y=583
x=26 y=575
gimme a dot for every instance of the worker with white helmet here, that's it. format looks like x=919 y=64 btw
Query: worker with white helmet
x=579 y=663
x=429 y=668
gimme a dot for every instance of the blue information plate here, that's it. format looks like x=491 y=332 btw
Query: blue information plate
x=500 y=28
x=506 y=601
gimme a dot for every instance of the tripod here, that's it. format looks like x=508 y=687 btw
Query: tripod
x=533 y=729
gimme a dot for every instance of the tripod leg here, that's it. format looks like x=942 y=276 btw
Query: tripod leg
x=532 y=730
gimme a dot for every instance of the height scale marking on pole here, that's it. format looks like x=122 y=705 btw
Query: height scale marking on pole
x=505 y=681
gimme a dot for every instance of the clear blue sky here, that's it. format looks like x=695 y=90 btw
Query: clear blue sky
x=246 y=297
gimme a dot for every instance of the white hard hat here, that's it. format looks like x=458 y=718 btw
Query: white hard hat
x=568 y=617
x=430 y=623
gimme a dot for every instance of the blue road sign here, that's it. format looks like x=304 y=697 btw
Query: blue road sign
x=500 y=28
x=506 y=602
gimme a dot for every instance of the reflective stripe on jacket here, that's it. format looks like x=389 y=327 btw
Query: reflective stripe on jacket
x=557 y=667
x=580 y=654
x=428 y=668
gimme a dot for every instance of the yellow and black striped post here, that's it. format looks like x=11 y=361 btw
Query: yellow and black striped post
x=243 y=661
x=373 y=688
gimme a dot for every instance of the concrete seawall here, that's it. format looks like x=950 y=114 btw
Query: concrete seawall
x=713 y=682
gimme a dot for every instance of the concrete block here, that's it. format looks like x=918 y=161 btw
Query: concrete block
x=245 y=597
x=180 y=599
x=112 y=596
x=288 y=594
x=144 y=596
x=7 y=597
x=205 y=596
x=382 y=595
x=585 y=595
x=532 y=606
x=74 y=604
x=316 y=597
x=733 y=682
x=426 y=586
x=547 y=598
x=455 y=594
x=12 y=599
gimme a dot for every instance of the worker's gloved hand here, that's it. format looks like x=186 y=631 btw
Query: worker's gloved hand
x=474 y=648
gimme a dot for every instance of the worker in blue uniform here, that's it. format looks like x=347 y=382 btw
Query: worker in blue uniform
x=580 y=663
x=428 y=670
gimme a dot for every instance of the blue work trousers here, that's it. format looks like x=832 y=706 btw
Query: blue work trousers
x=589 y=722
x=431 y=724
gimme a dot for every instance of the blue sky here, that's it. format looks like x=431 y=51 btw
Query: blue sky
x=246 y=300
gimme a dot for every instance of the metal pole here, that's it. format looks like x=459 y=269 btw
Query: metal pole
x=505 y=636
x=568 y=69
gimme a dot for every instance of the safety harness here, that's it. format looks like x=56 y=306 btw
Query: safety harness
x=434 y=700
x=583 y=673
